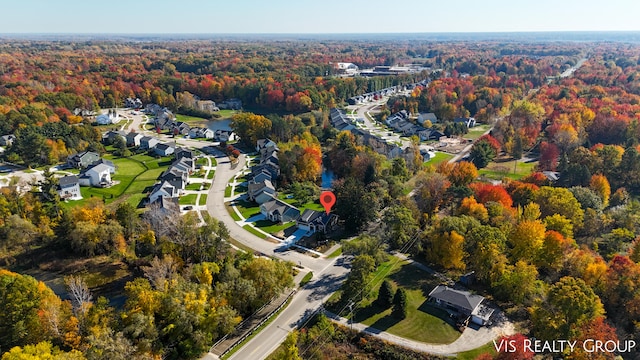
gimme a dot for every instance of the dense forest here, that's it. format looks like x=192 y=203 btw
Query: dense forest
x=560 y=255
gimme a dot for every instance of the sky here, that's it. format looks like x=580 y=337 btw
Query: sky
x=314 y=16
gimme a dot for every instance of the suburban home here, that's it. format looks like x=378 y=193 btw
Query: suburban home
x=224 y=135
x=82 y=160
x=260 y=176
x=97 y=176
x=430 y=134
x=181 y=128
x=110 y=137
x=108 y=163
x=167 y=205
x=133 y=138
x=259 y=191
x=164 y=149
x=69 y=188
x=133 y=103
x=110 y=117
x=279 y=211
x=163 y=189
x=422 y=117
x=84 y=113
x=265 y=144
x=232 y=104
x=148 y=142
x=181 y=152
x=462 y=302
x=201 y=132
x=7 y=140
x=206 y=105
x=316 y=221
x=470 y=122
x=273 y=170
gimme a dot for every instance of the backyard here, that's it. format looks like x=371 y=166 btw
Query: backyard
x=420 y=314
x=499 y=169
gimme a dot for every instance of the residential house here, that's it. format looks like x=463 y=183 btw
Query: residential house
x=133 y=103
x=163 y=189
x=97 y=176
x=133 y=138
x=110 y=137
x=164 y=149
x=279 y=211
x=84 y=113
x=69 y=188
x=206 y=105
x=462 y=302
x=274 y=171
x=7 y=140
x=317 y=221
x=167 y=205
x=261 y=191
x=110 y=117
x=148 y=142
x=224 y=135
x=260 y=176
x=264 y=144
x=430 y=134
x=82 y=160
x=422 y=117
x=470 y=122
x=181 y=152
x=108 y=163
x=201 y=132
x=181 y=128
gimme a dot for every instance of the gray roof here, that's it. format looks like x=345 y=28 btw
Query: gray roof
x=459 y=298
x=68 y=180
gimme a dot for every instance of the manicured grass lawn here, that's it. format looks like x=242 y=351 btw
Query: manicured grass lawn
x=420 y=315
x=194 y=186
x=189 y=199
x=271 y=227
x=440 y=157
x=255 y=232
x=498 y=171
x=247 y=208
x=472 y=354
x=225 y=113
x=336 y=253
x=233 y=214
x=477 y=131
x=203 y=199
x=190 y=119
x=211 y=174
x=227 y=191
x=202 y=162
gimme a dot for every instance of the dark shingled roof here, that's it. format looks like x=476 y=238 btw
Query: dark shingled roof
x=68 y=180
x=462 y=299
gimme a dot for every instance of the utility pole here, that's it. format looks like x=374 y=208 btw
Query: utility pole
x=351 y=313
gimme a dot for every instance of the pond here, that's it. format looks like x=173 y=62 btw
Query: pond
x=327 y=178
x=222 y=124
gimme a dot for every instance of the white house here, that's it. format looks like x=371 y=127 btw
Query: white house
x=98 y=176
x=164 y=189
x=69 y=188
x=111 y=117
x=133 y=138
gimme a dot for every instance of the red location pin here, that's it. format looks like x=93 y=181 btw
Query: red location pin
x=327 y=199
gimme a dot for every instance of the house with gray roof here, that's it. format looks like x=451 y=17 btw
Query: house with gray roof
x=279 y=211
x=7 y=140
x=69 y=188
x=462 y=302
x=317 y=221
x=82 y=160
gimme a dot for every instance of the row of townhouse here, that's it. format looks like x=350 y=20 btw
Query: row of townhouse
x=377 y=95
x=173 y=181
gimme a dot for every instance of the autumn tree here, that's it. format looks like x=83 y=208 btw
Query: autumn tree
x=431 y=192
x=250 y=127
x=446 y=250
x=526 y=240
x=600 y=185
x=559 y=201
x=570 y=304
x=518 y=283
x=463 y=173
x=400 y=226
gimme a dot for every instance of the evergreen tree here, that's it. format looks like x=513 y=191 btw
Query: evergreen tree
x=385 y=295
x=400 y=304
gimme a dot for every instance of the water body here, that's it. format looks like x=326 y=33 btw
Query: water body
x=327 y=178
x=223 y=124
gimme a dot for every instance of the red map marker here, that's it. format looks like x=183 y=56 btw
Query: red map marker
x=327 y=199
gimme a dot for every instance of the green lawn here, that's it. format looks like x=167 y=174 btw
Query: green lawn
x=271 y=227
x=202 y=162
x=203 y=199
x=498 y=171
x=232 y=212
x=255 y=232
x=189 y=199
x=191 y=119
x=227 y=191
x=472 y=354
x=336 y=253
x=211 y=174
x=194 y=186
x=420 y=314
x=440 y=157
x=224 y=113
x=477 y=131
x=247 y=208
